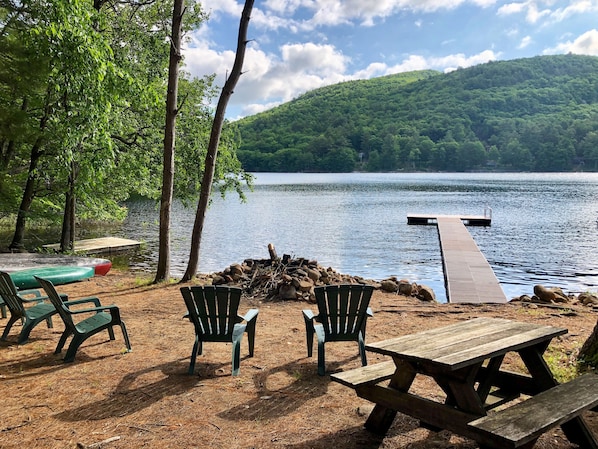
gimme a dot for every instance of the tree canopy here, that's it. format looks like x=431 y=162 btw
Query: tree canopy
x=82 y=92
x=533 y=114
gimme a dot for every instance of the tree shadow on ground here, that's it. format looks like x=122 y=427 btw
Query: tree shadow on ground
x=282 y=390
x=404 y=428
x=128 y=397
x=40 y=364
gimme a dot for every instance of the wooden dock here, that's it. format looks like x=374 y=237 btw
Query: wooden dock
x=103 y=245
x=428 y=219
x=468 y=276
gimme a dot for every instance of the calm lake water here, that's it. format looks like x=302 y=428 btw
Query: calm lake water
x=544 y=226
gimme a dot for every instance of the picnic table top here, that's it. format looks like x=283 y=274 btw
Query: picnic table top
x=466 y=343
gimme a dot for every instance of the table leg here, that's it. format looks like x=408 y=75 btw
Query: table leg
x=575 y=430
x=381 y=418
x=486 y=385
x=460 y=390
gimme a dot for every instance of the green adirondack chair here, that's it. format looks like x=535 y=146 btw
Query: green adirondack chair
x=16 y=301
x=102 y=318
x=213 y=312
x=342 y=316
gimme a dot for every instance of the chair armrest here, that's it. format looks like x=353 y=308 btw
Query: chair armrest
x=308 y=315
x=91 y=299
x=39 y=297
x=250 y=315
x=31 y=291
x=109 y=308
x=370 y=312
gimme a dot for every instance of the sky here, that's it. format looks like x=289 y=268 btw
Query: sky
x=300 y=45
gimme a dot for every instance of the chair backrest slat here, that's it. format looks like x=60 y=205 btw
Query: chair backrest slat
x=213 y=307
x=342 y=308
x=55 y=299
x=9 y=293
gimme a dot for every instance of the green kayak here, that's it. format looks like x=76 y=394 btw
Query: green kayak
x=24 y=279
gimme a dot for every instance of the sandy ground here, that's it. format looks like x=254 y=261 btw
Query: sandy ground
x=146 y=398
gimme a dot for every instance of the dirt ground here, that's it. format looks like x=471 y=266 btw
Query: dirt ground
x=145 y=398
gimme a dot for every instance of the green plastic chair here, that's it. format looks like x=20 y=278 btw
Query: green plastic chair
x=213 y=312
x=30 y=316
x=102 y=318
x=342 y=316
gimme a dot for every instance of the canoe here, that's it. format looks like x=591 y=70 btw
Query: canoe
x=10 y=262
x=24 y=279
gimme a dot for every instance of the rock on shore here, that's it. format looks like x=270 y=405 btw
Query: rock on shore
x=555 y=295
x=289 y=278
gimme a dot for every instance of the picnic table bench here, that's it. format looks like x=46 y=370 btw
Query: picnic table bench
x=522 y=424
x=465 y=361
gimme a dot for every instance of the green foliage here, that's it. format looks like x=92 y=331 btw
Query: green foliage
x=535 y=114
x=82 y=108
x=561 y=364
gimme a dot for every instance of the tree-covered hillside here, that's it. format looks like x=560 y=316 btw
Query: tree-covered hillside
x=535 y=114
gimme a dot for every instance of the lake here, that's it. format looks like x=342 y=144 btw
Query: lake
x=544 y=226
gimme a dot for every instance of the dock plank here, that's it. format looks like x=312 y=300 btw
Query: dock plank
x=103 y=245
x=469 y=278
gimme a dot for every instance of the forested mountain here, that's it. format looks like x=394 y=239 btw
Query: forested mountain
x=534 y=114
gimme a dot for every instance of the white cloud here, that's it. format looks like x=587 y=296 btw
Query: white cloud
x=574 y=8
x=535 y=10
x=586 y=44
x=527 y=40
x=275 y=14
x=511 y=8
x=532 y=12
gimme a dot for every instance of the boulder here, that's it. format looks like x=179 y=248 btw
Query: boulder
x=305 y=284
x=314 y=274
x=287 y=291
x=544 y=294
x=389 y=285
x=588 y=299
x=218 y=280
x=236 y=272
x=425 y=293
x=405 y=288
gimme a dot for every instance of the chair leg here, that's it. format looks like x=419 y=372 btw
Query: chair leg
x=319 y=330
x=309 y=332
x=26 y=330
x=62 y=341
x=49 y=322
x=251 y=337
x=125 y=335
x=11 y=321
x=3 y=310
x=361 y=342
x=111 y=333
x=194 y=353
x=237 y=337
x=73 y=347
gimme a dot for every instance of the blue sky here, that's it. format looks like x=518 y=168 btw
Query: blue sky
x=300 y=45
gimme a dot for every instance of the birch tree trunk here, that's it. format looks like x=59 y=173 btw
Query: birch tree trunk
x=212 y=154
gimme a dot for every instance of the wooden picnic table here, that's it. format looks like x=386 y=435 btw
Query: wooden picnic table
x=465 y=360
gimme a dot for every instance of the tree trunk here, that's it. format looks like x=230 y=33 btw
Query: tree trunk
x=163 y=271
x=212 y=154
x=588 y=354
x=17 y=243
x=29 y=191
x=67 y=236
